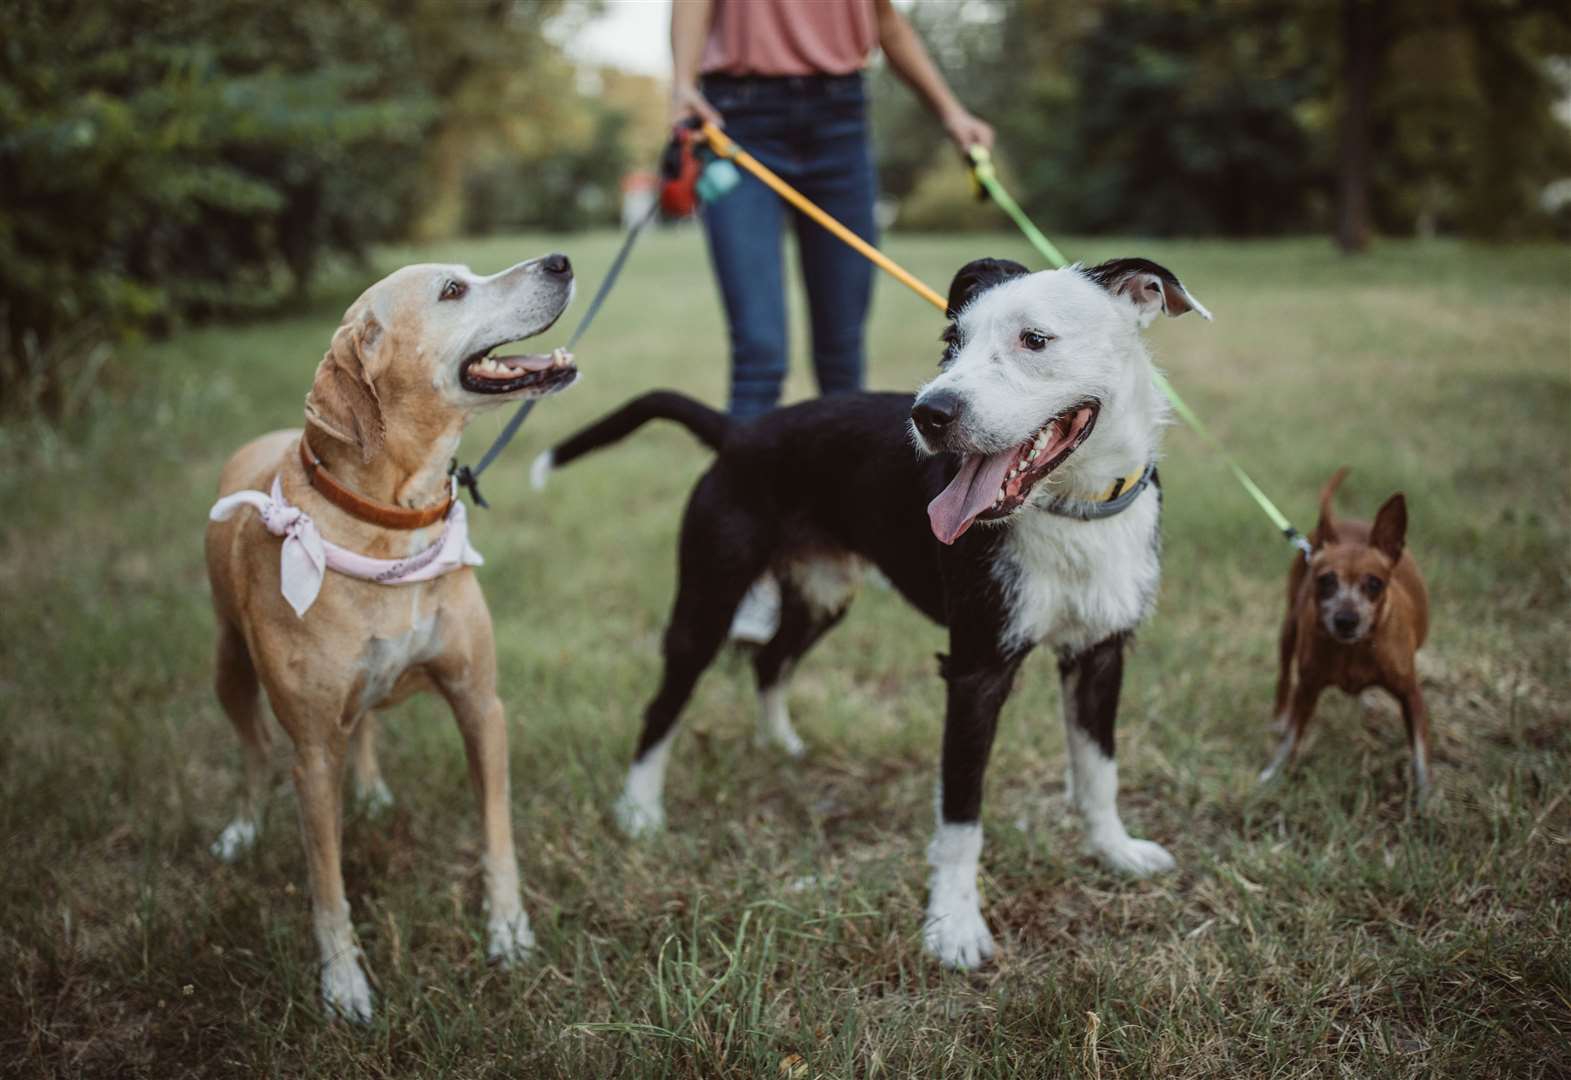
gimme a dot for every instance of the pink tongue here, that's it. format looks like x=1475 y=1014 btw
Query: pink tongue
x=971 y=491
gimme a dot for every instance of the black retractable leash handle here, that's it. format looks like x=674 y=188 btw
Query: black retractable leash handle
x=468 y=477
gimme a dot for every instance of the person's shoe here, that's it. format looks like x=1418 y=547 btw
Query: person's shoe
x=758 y=615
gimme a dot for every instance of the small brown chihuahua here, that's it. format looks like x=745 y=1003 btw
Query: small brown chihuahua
x=1357 y=612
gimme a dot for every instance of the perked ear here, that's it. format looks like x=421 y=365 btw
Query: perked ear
x=1325 y=528
x=977 y=276
x=1389 y=534
x=1152 y=289
x=343 y=401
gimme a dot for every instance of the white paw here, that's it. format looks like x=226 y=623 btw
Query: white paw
x=1269 y=773
x=1137 y=858
x=345 y=989
x=957 y=936
x=509 y=940
x=638 y=819
x=238 y=837
x=788 y=742
x=375 y=800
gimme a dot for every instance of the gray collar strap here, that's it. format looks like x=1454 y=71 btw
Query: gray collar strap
x=1117 y=500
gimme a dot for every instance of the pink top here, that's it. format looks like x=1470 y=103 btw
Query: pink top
x=789 y=37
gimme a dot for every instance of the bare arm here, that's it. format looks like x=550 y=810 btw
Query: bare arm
x=908 y=56
x=690 y=21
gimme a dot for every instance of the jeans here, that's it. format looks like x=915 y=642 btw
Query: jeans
x=813 y=132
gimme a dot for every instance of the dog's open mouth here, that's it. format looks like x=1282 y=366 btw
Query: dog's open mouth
x=543 y=373
x=995 y=485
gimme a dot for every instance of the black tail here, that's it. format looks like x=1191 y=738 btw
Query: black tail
x=708 y=425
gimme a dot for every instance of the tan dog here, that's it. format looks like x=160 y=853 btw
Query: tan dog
x=1357 y=614
x=408 y=367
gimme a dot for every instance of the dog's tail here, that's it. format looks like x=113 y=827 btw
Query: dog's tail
x=1325 y=529
x=708 y=425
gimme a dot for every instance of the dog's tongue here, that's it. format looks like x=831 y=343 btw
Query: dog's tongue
x=972 y=491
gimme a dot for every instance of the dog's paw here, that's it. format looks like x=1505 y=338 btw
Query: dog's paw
x=374 y=801
x=956 y=935
x=540 y=470
x=238 y=837
x=509 y=940
x=788 y=742
x=638 y=819
x=1137 y=858
x=345 y=989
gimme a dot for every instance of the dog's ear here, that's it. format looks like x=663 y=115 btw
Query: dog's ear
x=343 y=401
x=977 y=276
x=1152 y=289
x=1325 y=528
x=1389 y=534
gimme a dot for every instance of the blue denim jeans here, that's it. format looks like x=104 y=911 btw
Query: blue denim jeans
x=813 y=132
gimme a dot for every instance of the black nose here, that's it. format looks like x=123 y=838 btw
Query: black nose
x=936 y=411
x=1345 y=622
x=556 y=263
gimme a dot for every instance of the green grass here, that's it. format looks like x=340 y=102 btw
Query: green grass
x=1312 y=930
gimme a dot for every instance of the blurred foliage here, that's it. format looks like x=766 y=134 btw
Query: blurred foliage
x=162 y=162
x=1202 y=117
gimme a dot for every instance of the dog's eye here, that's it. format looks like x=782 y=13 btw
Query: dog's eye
x=951 y=339
x=1034 y=340
x=1373 y=586
x=454 y=290
x=1325 y=585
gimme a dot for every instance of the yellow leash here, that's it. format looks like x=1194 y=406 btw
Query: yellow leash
x=982 y=169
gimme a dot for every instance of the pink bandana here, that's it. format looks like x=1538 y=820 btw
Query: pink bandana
x=306 y=557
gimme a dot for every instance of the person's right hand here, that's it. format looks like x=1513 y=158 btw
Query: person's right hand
x=686 y=101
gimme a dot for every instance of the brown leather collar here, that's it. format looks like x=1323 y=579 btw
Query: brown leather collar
x=376 y=513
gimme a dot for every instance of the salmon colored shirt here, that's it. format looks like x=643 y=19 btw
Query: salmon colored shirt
x=789 y=37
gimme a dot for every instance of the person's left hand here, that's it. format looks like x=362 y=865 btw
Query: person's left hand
x=967 y=131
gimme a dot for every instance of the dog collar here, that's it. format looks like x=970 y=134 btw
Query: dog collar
x=1113 y=499
x=367 y=510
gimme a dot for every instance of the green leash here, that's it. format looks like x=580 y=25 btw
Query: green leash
x=987 y=177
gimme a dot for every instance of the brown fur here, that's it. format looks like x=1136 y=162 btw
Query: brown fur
x=385 y=423
x=1391 y=625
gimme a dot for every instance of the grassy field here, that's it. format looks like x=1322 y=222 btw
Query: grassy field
x=1313 y=929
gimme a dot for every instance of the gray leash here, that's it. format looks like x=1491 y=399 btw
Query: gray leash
x=469 y=477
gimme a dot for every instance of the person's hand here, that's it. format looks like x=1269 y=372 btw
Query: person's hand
x=967 y=131
x=686 y=101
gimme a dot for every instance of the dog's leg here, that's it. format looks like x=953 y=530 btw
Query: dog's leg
x=717 y=566
x=1305 y=695
x=1287 y=646
x=1091 y=683
x=239 y=694
x=801 y=626
x=371 y=791
x=1416 y=715
x=318 y=776
x=953 y=930
x=483 y=725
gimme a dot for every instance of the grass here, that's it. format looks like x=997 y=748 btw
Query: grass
x=1312 y=930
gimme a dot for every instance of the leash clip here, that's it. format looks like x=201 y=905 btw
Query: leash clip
x=464 y=477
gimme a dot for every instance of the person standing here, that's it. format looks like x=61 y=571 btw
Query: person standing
x=785 y=80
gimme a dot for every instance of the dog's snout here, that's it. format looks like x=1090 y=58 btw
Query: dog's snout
x=556 y=263
x=934 y=412
x=1345 y=623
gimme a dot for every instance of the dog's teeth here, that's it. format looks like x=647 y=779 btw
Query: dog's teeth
x=1041 y=440
x=1031 y=456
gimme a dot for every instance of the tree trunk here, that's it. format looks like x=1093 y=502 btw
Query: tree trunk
x=1360 y=58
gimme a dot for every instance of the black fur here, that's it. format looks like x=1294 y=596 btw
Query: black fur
x=1094 y=677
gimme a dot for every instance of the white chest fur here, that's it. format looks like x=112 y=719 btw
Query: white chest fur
x=386 y=658
x=1070 y=583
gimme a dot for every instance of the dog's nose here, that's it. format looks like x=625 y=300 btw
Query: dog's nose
x=934 y=412
x=1345 y=622
x=556 y=263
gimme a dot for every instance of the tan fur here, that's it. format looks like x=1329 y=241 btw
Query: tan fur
x=1393 y=625
x=385 y=416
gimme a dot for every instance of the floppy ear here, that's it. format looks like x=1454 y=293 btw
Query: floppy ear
x=343 y=401
x=977 y=276
x=1151 y=288
x=1389 y=533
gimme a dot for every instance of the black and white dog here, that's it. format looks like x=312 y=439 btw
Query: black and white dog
x=1043 y=425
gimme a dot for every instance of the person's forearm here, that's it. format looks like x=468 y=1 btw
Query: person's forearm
x=689 y=31
x=910 y=60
